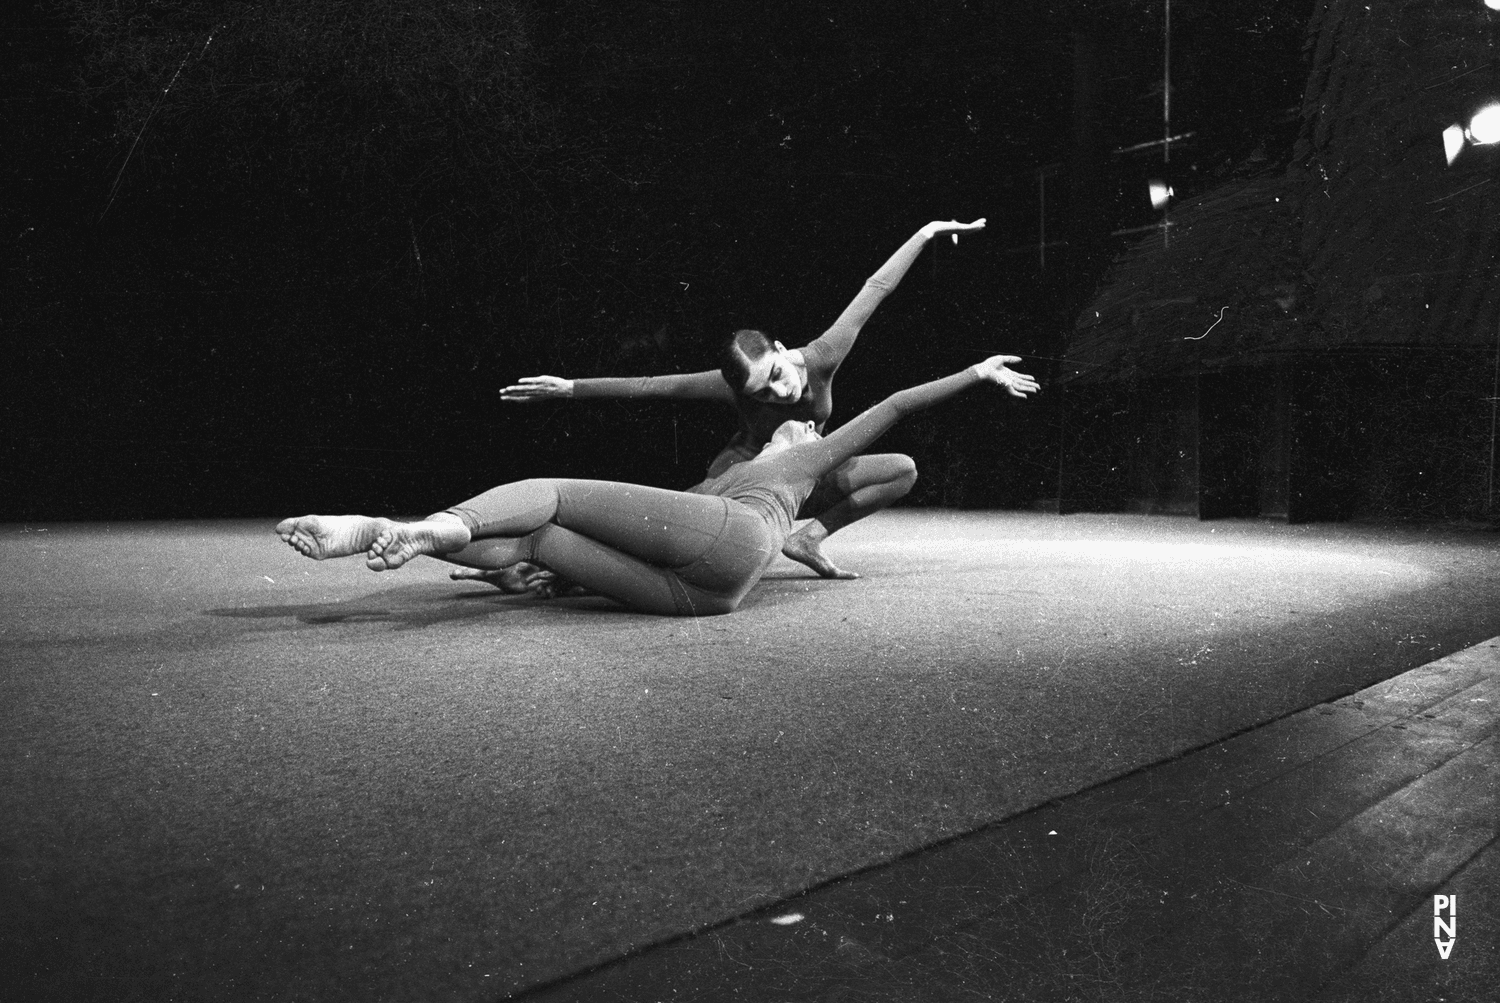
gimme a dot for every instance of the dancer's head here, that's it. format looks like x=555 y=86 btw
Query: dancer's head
x=758 y=367
x=789 y=434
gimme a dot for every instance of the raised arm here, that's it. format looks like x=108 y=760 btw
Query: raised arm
x=855 y=437
x=833 y=344
x=707 y=385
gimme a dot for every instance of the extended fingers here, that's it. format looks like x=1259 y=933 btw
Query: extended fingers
x=1016 y=384
x=1019 y=384
x=530 y=388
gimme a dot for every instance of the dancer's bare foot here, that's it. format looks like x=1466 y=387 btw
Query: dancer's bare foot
x=806 y=547
x=323 y=536
x=398 y=542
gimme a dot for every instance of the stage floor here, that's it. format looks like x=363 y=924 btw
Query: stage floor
x=230 y=772
x=1299 y=861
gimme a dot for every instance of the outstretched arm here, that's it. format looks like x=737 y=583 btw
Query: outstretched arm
x=855 y=437
x=707 y=385
x=833 y=344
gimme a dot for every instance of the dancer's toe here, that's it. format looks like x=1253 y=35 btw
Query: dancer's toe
x=804 y=550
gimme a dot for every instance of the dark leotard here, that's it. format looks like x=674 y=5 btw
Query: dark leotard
x=673 y=552
x=760 y=419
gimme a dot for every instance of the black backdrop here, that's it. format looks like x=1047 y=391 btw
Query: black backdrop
x=276 y=257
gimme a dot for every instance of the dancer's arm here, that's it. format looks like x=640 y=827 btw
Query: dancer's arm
x=850 y=440
x=707 y=385
x=828 y=350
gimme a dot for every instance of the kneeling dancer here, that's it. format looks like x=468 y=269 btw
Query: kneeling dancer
x=674 y=553
x=767 y=384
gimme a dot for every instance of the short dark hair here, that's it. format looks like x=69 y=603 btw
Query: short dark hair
x=744 y=346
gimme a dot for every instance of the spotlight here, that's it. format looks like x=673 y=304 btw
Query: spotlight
x=1453 y=139
x=1483 y=130
x=1484 y=127
x=1161 y=192
x=1492 y=4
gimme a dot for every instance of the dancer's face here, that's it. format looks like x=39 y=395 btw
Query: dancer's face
x=789 y=434
x=775 y=378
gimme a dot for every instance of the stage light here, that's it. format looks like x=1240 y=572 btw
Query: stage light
x=1484 y=127
x=1453 y=139
x=1492 y=4
x=1483 y=130
x=1161 y=193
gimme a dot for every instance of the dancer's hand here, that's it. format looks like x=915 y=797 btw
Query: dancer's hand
x=952 y=226
x=551 y=585
x=537 y=388
x=514 y=580
x=521 y=579
x=993 y=370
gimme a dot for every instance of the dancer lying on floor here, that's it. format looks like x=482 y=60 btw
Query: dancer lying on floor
x=768 y=384
x=656 y=551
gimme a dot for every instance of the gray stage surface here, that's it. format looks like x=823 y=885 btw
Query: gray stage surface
x=230 y=772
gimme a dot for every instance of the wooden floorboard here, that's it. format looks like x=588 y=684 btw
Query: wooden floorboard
x=1352 y=886
x=1405 y=966
x=1259 y=868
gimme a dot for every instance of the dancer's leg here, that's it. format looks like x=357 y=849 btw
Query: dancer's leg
x=863 y=485
x=653 y=550
x=607 y=571
x=523 y=576
x=669 y=528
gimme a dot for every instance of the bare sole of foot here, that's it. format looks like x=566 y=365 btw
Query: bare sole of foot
x=398 y=542
x=323 y=536
x=809 y=552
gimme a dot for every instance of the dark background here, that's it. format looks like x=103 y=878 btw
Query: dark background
x=268 y=258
